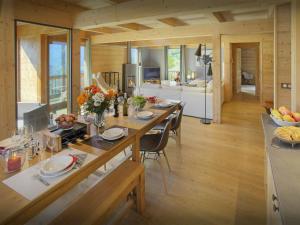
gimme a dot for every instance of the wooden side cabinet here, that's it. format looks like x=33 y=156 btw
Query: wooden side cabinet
x=273 y=209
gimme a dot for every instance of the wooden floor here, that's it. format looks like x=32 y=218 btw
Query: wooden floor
x=218 y=173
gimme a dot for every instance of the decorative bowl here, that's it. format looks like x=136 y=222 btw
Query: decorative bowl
x=66 y=122
x=283 y=123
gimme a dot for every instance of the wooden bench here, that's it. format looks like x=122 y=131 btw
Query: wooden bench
x=96 y=205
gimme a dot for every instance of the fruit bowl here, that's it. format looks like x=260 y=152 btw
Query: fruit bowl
x=290 y=135
x=66 y=122
x=283 y=123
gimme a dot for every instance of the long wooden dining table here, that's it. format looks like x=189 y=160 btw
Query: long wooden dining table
x=16 y=209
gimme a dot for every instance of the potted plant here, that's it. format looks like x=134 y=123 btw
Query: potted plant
x=138 y=102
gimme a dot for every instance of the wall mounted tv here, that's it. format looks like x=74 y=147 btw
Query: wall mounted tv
x=151 y=73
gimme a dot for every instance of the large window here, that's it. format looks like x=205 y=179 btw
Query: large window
x=173 y=58
x=58 y=71
x=42 y=71
x=85 y=78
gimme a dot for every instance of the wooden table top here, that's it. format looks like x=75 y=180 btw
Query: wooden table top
x=16 y=209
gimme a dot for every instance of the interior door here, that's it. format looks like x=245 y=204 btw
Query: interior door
x=238 y=69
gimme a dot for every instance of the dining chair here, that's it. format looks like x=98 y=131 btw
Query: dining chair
x=154 y=144
x=175 y=123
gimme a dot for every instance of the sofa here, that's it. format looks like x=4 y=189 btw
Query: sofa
x=194 y=97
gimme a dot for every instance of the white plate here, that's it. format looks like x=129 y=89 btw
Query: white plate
x=145 y=115
x=113 y=133
x=282 y=123
x=59 y=173
x=163 y=105
x=56 y=164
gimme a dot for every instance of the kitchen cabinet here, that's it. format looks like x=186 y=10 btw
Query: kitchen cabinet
x=273 y=204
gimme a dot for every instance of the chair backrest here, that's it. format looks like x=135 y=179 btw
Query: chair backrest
x=37 y=118
x=164 y=137
x=178 y=117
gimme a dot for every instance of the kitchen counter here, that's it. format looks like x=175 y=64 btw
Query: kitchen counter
x=285 y=166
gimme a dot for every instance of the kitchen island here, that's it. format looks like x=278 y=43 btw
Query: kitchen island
x=282 y=178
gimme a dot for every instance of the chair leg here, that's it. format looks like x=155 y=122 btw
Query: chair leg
x=143 y=157
x=165 y=154
x=178 y=136
x=163 y=175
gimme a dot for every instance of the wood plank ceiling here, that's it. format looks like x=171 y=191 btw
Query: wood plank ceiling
x=244 y=14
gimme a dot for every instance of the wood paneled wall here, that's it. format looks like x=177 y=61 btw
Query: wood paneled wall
x=108 y=58
x=265 y=59
x=7 y=70
x=9 y=11
x=29 y=68
x=282 y=57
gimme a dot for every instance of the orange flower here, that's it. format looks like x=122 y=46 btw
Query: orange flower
x=110 y=93
x=82 y=98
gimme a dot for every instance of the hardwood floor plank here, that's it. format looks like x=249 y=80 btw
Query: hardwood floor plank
x=217 y=174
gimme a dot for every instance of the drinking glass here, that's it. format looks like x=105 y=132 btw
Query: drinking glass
x=51 y=144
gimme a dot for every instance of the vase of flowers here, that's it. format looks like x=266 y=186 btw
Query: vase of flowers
x=96 y=101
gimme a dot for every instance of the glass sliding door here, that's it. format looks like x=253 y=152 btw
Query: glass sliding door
x=58 y=74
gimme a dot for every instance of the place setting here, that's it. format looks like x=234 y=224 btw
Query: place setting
x=164 y=104
x=144 y=115
x=108 y=138
x=35 y=180
x=57 y=166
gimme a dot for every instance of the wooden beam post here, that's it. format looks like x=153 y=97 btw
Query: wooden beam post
x=295 y=55
x=217 y=85
x=7 y=74
x=44 y=90
x=75 y=68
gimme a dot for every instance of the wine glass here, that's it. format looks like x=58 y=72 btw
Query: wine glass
x=51 y=144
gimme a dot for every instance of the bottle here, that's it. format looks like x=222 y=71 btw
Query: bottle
x=125 y=105
x=116 y=106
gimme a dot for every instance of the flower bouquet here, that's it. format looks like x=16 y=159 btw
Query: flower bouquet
x=94 y=100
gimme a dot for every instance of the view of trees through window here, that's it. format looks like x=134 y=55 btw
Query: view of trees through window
x=173 y=63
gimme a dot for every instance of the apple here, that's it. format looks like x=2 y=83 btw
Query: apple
x=284 y=110
x=296 y=116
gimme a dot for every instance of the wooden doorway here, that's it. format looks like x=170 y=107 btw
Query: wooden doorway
x=246 y=69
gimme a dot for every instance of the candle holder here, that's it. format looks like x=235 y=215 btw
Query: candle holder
x=13 y=159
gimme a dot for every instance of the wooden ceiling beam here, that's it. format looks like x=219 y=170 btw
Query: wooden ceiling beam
x=135 y=10
x=134 y=26
x=245 y=27
x=106 y=30
x=119 y=1
x=223 y=16
x=173 y=41
x=172 y=21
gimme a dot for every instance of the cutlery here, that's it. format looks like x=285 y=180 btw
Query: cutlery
x=42 y=180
